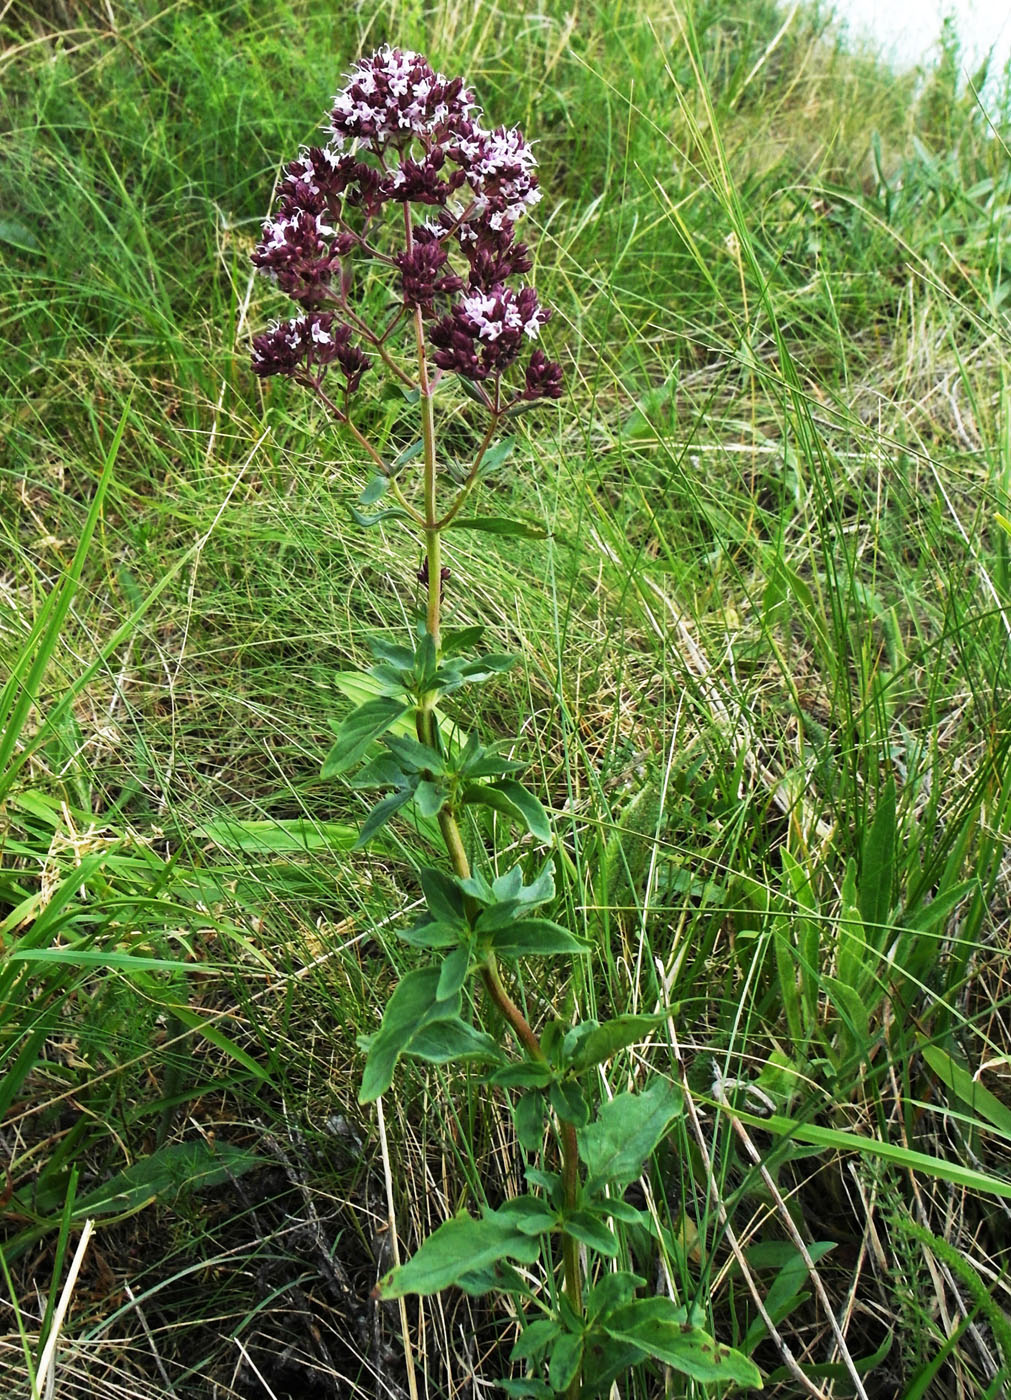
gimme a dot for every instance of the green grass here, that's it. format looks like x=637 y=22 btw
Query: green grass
x=765 y=678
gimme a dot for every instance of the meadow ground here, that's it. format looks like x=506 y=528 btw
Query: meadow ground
x=765 y=666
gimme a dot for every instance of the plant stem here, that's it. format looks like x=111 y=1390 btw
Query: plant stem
x=451 y=835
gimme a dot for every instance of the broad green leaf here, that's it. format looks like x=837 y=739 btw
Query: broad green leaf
x=457 y=639
x=528 y=1116
x=657 y=1325
x=567 y=1100
x=513 y=800
x=432 y=934
x=534 y=1340
x=430 y=798
x=592 y=1044
x=526 y=1388
x=413 y=1005
x=458 y=1247
x=565 y=1360
x=877 y=865
x=442 y=1042
x=453 y=972
x=590 y=1230
x=358 y=730
x=522 y=1074
x=395 y=654
x=531 y=938
x=381 y=772
x=19 y=236
x=166 y=1174
x=498 y=454
x=291 y=836
x=625 y=1132
x=414 y=756
x=497 y=525
x=530 y=1214
x=375 y=490
x=612 y=1291
x=443 y=895
x=380 y=815
x=974 y=1095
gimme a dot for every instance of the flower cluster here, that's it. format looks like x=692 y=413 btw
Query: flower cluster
x=306 y=344
x=402 y=135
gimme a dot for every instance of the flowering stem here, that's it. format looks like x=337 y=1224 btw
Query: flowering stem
x=426 y=724
x=468 y=485
x=356 y=432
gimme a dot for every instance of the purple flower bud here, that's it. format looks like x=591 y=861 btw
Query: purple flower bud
x=313 y=342
x=544 y=378
x=421 y=273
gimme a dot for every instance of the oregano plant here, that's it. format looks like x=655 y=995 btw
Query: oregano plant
x=397 y=239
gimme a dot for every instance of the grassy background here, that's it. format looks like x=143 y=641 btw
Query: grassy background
x=764 y=686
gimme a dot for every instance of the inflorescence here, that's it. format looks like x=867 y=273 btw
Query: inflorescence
x=402 y=135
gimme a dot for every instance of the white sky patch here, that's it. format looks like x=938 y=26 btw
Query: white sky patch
x=907 y=31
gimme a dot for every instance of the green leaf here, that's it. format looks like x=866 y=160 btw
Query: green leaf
x=625 y=1132
x=513 y=800
x=453 y=973
x=531 y=938
x=592 y=1044
x=459 y=1246
x=409 y=454
x=165 y=1175
x=358 y=730
x=413 y=1005
x=401 y=658
x=974 y=1095
x=473 y=391
x=906 y=1158
x=528 y=1116
x=414 y=756
x=18 y=235
x=367 y=521
x=292 y=836
x=496 y=525
x=533 y=1342
x=877 y=864
x=381 y=772
x=852 y=1010
x=566 y=1358
x=430 y=798
x=380 y=815
x=530 y=1214
x=568 y=1102
x=444 y=1041
x=612 y=1291
x=442 y=895
x=526 y=1388
x=522 y=1074
x=498 y=454
x=591 y=1231
x=432 y=934
x=657 y=1326
x=375 y=490
x=459 y=639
